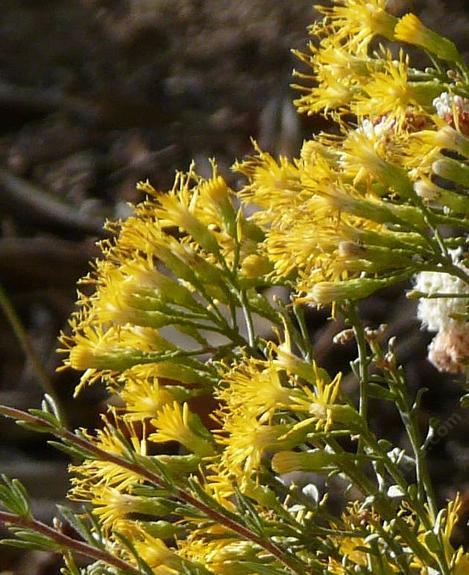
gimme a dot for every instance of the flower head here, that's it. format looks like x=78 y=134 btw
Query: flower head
x=92 y=474
x=390 y=93
x=176 y=423
x=356 y=22
x=435 y=312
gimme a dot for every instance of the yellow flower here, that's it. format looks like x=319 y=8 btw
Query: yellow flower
x=314 y=460
x=337 y=77
x=91 y=474
x=368 y=153
x=176 y=424
x=307 y=243
x=410 y=29
x=356 y=22
x=175 y=372
x=331 y=94
x=220 y=556
x=245 y=440
x=154 y=551
x=93 y=347
x=444 y=138
x=253 y=386
x=143 y=398
x=316 y=404
x=389 y=93
x=272 y=184
x=352 y=550
x=136 y=285
x=354 y=289
x=111 y=505
x=203 y=208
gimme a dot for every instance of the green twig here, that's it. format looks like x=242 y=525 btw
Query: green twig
x=65 y=542
x=216 y=515
x=247 y=318
x=363 y=375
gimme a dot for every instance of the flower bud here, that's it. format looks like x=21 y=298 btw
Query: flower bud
x=452 y=170
x=410 y=29
x=256 y=266
x=360 y=288
x=285 y=462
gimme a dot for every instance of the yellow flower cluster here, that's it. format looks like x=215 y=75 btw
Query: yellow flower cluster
x=170 y=324
x=363 y=203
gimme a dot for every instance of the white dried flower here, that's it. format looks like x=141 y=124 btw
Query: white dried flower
x=447 y=103
x=449 y=349
x=439 y=312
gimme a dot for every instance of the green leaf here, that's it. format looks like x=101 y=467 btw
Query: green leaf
x=37 y=428
x=29 y=539
x=46 y=416
x=14 y=497
x=380 y=392
x=249 y=513
x=79 y=526
x=71 y=450
x=17 y=543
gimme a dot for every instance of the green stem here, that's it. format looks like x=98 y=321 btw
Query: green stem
x=438 y=295
x=298 y=311
x=425 y=491
x=458 y=272
x=363 y=374
x=424 y=485
x=398 y=478
x=247 y=318
x=382 y=506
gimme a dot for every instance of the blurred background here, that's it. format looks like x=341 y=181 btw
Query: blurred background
x=97 y=95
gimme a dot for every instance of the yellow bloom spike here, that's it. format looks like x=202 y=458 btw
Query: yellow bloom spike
x=356 y=22
x=245 y=440
x=174 y=423
x=253 y=386
x=144 y=398
x=111 y=505
x=92 y=474
x=390 y=94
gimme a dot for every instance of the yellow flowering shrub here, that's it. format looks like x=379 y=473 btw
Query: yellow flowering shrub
x=173 y=317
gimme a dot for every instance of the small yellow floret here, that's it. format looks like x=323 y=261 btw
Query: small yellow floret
x=410 y=29
x=174 y=423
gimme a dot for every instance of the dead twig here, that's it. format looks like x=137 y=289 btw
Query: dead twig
x=31 y=203
x=47 y=101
